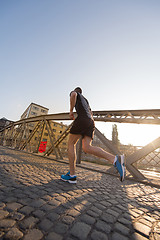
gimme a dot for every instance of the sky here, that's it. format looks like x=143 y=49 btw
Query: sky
x=109 y=48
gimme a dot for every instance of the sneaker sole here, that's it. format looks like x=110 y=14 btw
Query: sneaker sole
x=123 y=168
x=69 y=181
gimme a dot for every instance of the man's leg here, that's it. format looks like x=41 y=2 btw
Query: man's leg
x=118 y=161
x=70 y=176
x=97 y=151
x=73 y=138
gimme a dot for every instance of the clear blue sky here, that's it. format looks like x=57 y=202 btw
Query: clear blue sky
x=109 y=48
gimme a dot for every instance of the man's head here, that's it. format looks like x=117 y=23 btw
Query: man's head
x=78 y=89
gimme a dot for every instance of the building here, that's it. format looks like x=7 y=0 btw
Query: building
x=34 y=110
x=4 y=122
x=42 y=136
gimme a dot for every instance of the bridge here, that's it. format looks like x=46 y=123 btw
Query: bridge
x=19 y=136
x=36 y=204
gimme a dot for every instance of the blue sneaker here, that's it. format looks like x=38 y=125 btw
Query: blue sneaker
x=119 y=164
x=68 y=178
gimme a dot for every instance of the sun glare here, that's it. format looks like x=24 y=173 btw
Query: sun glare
x=138 y=134
x=135 y=134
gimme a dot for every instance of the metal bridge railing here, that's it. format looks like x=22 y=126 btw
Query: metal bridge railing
x=26 y=134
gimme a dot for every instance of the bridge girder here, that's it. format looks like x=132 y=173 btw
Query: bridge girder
x=149 y=116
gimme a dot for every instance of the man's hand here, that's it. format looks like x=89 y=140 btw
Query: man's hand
x=73 y=98
x=71 y=115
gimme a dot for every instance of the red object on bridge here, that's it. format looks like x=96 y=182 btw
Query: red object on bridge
x=42 y=147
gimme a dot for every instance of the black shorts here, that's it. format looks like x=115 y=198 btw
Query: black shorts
x=83 y=126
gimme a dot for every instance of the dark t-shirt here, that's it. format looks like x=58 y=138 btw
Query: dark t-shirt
x=82 y=107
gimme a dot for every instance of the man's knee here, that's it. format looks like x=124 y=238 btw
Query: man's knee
x=86 y=145
x=86 y=148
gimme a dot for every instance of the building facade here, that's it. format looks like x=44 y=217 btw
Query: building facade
x=34 y=110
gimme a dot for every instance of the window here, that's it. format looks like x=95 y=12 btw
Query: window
x=45 y=134
x=55 y=124
x=33 y=113
x=31 y=125
x=54 y=130
x=44 y=140
x=35 y=108
x=43 y=111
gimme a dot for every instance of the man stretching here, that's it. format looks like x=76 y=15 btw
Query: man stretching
x=84 y=126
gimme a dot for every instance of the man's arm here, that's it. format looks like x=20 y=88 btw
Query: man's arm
x=73 y=98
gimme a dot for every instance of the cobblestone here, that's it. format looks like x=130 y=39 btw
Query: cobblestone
x=33 y=234
x=80 y=230
x=3 y=214
x=53 y=235
x=116 y=236
x=122 y=229
x=142 y=228
x=137 y=236
x=26 y=210
x=13 y=206
x=103 y=226
x=46 y=224
x=88 y=219
x=60 y=228
x=98 y=236
x=36 y=204
x=28 y=222
x=14 y=234
x=7 y=223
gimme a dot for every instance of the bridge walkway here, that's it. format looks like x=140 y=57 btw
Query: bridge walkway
x=36 y=204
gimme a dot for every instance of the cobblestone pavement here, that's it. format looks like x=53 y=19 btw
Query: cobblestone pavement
x=36 y=204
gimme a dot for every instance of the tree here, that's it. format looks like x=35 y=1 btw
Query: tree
x=115 y=139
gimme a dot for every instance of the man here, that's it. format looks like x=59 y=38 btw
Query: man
x=84 y=126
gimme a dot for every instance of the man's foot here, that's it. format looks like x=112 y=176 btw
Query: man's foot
x=68 y=178
x=119 y=164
